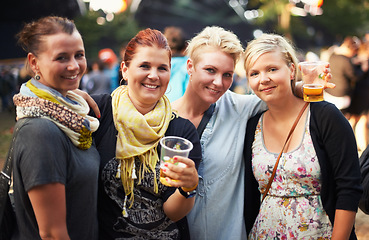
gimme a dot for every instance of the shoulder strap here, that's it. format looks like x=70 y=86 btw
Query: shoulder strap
x=280 y=154
x=8 y=165
x=6 y=173
x=205 y=119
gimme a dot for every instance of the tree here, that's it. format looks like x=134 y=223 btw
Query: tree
x=339 y=19
x=344 y=17
x=109 y=35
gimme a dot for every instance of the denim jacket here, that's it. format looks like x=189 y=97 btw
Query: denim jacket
x=219 y=204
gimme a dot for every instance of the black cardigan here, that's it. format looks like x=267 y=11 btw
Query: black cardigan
x=335 y=146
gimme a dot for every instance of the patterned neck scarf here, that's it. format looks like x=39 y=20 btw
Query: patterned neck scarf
x=138 y=137
x=69 y=114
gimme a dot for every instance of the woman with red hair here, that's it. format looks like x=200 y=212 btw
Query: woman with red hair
x=132 y=201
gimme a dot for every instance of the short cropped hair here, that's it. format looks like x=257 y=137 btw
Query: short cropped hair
x=217 y=38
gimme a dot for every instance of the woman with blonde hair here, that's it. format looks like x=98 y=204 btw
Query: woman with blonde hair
x=220 y=117
x=316 y=188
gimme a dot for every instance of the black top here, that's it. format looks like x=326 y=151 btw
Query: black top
x=335 y=146
x=146 y=218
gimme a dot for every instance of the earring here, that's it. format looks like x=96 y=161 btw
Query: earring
x=37 y=77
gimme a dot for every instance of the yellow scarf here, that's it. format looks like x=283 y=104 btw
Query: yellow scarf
x=138 y=136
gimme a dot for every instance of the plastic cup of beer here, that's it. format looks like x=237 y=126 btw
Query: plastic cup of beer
x=172 y=146
x=310 y=72
x=313 y=92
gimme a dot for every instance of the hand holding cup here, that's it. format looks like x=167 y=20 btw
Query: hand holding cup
x=174 y=151
x=183 y=174
x=316 y=77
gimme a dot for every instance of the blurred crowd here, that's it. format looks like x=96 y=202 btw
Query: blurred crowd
x=349 y=64
x=102 y=76
x=11 y=78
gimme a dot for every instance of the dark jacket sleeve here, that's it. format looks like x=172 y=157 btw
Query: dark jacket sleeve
x=252 y=194
x=335 y=145
x=364 y=168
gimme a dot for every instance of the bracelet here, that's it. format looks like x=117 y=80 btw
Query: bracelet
x=190 y=189
x=187 y=194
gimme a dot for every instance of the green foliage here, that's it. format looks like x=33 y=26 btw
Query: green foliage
x=112 y=34
x=272 y=9
x=344 y=17
x=340 y=18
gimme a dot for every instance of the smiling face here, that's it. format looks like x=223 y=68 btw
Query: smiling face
x=212 y=74
x=61 y=63
x=148 y=76
x=270 y=77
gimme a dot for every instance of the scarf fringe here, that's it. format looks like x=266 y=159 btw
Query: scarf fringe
x=126 y=171
x=138 y=137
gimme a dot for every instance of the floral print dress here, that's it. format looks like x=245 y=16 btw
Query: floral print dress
x=293 y=208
